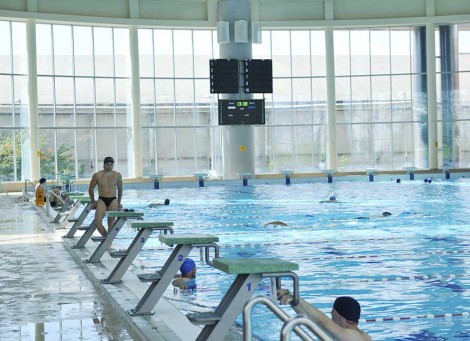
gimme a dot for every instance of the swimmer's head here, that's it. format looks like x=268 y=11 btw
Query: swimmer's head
x=332 y=198
x=348 y=307
x=167 y=202
x=187 y=266
x=386 y=214
x=398 y=181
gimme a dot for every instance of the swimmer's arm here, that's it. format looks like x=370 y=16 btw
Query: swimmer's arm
x=180 y=283
x=315 y=314
x=305 y=308
x=91 y=188
x=336 y=331
x=177 y=282
x=119 y=188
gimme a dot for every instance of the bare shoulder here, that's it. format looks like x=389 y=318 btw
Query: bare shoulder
x=347 y=334
x=117 y=175
x=97 y=175
x=358 y=335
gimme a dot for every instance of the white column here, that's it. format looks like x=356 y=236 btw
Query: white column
x=34 y=166
x=136 y=138
x=238 y=141
x=331 y=162
x=432 y=98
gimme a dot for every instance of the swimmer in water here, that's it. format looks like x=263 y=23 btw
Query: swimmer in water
x=383 y=215
x=166 y=202
x=331 y=199
x=276 y=223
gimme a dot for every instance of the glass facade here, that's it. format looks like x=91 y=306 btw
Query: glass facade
x=85 y=100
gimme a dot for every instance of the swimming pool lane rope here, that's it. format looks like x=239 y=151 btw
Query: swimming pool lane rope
x=256 y=245
x=415 y=317
x=403 y=278
x=372 y=320
x=457 y=252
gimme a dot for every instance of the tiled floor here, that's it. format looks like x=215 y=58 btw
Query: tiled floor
x=44 y=294
x=48 y=292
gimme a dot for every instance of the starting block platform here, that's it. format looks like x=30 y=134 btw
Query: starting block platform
x=144 y=230
x=160 y=281
x=81 y=218
x=105 y=242
x=250 y=272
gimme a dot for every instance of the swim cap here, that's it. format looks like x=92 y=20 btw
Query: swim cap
x=386 y=214
x=348 y=307
x=332 y=197
x=187 y=266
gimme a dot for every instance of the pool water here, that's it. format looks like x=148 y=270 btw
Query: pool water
x=415 y=262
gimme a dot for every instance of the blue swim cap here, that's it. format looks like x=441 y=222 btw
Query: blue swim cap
x=187 y=266
x=332 y=197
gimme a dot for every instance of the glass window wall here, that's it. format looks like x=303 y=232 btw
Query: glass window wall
x=85 y=108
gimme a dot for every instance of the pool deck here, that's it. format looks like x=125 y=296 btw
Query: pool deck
x=47 y=289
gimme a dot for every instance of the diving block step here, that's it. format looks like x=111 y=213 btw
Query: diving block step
x=204 y=318
x=187 y=239
x=98 y=239
x=74 y=220
x=83 y=227
x=64 y=213
x=253 y=265
x=154 y=277
x=153 y=225
x=118 y=254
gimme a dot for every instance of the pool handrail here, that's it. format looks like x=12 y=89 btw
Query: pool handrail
x=281 y=314
x=293 y=323
x=25 y=189
x=206 y=248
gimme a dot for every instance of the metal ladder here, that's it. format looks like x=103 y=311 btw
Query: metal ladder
x=290 y=323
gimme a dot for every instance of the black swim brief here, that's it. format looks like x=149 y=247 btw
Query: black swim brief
x=107 y=201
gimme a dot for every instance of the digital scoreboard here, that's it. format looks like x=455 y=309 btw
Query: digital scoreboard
x=224 y=76
x=258 y=76
x=238 y=112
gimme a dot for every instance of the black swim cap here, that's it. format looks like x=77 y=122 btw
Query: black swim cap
x=348 y=307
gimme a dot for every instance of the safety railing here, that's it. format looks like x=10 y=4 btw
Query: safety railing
x=25 y=188
x=56 y=197
x=271 y=305
x=281 y=314
x=204 y=250
x=26 y=195
x=295 y=321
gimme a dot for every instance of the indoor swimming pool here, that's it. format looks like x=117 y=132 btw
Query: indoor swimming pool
x=407 y=270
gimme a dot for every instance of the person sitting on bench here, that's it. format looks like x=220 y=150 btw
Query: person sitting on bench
x=55 y=196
